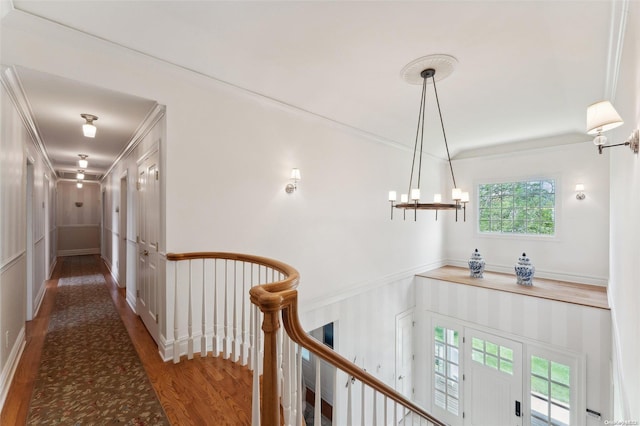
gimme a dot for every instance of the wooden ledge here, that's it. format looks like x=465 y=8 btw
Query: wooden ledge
x=561 y=291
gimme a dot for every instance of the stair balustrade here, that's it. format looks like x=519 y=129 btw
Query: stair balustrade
x=245 y=308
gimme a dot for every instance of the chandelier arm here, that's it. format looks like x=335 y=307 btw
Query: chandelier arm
x=443 y=133
x=415 y=145
x=424 y=107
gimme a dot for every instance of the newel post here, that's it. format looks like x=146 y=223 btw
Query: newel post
x=270 y=415
x=270 y=304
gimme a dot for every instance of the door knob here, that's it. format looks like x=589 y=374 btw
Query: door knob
x=146 y=252
x=400 y=377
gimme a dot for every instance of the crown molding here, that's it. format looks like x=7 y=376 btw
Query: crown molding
x=619 y=14
x=15 y=90
x=153 y=117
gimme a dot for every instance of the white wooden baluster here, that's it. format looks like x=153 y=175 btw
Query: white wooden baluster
x=251 y=359
x=375 y=408
x=317 y=408
x=385 y=421
x=203 y=336
x=227 y=335
x=279 y=340
x=362 y=412
x=215 y=344
x=243 y=333
x=302 y=390
x=395 y=413
x=286 y=377
x=176 y=343
x=234 y=314
x=255 y=397
x=349 y=407
x=190 y=315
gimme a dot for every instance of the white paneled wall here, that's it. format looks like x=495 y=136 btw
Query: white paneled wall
x=17 y=147
x=579 y=329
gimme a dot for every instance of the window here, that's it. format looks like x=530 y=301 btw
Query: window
x=526 y=207
x=550 y=392
x=446 y=370
x=492 y=355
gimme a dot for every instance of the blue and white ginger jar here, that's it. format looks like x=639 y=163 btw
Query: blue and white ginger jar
x=525 y=270
x=476 y=265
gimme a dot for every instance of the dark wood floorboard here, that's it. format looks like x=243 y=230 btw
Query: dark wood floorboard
x=202 y=391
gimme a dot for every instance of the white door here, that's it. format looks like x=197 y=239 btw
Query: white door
x=148 y=222
x=404 y=354
x=493 y=380
x=122 y=242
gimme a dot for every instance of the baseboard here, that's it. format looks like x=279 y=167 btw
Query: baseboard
x=39 y=298
x=79 y=252
x=116 y=278
x=52 y=267
x=131 y=301
x=10 y=366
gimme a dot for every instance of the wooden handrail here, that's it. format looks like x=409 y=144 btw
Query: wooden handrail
x=283 y=296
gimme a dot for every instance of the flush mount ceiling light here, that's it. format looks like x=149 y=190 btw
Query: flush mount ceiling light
x=602 y=116
x=80 y=175
x=88 y=128
x=79 y=184
x=82 y=162
x=428 y=70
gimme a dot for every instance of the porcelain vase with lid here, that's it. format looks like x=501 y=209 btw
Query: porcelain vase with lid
x=476 y=265
x=525 y=270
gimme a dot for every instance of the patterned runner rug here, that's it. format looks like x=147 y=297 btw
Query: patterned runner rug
x=90 y=373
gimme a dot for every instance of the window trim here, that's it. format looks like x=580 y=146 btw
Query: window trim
x=475 y=196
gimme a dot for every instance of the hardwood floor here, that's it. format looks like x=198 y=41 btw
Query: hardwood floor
x=194 y=392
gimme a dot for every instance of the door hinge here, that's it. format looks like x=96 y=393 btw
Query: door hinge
x=137 y=238
x=464 y=377
x=413 y=357
x=138 y=185
x=137 y=293
x=463 y=414
x=157 y=174
x=157 y=245
x=463 y=339
x=413 y=323
x=157 y=318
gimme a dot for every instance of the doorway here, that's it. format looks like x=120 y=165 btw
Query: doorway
x=148 y=226
x=493 y=386
x=122 y=233
x=404 y=354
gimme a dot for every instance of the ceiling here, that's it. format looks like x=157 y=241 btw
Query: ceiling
x=526 y=69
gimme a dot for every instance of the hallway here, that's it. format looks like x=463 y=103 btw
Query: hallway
x=201 y=391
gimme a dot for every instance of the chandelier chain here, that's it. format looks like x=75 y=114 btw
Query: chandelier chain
x=444 y=134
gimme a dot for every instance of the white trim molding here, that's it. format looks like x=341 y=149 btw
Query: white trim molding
x=6 y=378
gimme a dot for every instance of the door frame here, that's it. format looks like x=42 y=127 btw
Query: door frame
x=399 y=318
x=123 y=229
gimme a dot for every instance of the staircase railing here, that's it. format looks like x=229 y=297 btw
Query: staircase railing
x=213 y=313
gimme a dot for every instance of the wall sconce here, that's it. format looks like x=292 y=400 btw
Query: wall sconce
x=82 y=162
x=88 y=128
x=602 y=116
x=580 y=192
x=295 y=177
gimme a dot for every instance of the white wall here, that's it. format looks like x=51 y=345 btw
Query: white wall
x=365 y=329
x=78 y=226
x=228 y=158
x=16 y=147
x=624 y=291
x=579 y=252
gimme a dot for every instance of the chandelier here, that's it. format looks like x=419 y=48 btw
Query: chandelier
x=424 y=70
